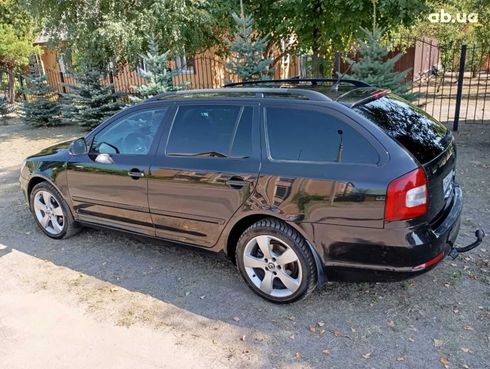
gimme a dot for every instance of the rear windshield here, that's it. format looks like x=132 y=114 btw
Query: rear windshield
x=423 y=136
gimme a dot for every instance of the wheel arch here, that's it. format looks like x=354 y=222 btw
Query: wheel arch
x=236 y=230
x=35 y=180
x=240 y=225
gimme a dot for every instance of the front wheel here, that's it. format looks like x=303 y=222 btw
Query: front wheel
x=276 y=262
x=51 y=212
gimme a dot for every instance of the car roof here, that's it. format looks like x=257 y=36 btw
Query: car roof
x=348 y=92
x=248 y=92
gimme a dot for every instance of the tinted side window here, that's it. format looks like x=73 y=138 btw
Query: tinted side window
x=304 y=135
x=213 y=131
x=417 y=131
x=241 y=144
x=132 y=134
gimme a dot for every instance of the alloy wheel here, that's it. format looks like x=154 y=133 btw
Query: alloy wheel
x=49 y=212
x=272 y=266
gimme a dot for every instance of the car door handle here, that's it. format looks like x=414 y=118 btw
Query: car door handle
x=236 y=182
x=135 y=173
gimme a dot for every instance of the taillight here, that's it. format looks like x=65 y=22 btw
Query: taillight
x=406 y=197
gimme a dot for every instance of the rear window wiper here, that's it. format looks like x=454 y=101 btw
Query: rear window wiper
x=209 y=154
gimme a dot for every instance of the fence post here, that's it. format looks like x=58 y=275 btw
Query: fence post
x=459 y=93
x=62 y=79
x=61 y=63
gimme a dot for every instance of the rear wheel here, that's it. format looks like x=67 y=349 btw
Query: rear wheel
x=276 y=261
x=51 y=212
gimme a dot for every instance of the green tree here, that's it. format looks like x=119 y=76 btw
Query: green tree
x=99 y=31
x=247 y=58
x=482 y=28
x=5 y=107
x=15 y=41
x=14 y=54
x=375 y=68
x=156 y=73
x=41 y=109
x=322 y=27
x=450 y=33
x=89 y=101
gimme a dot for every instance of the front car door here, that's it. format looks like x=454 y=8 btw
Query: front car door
x=205 y=170
x=108 y=185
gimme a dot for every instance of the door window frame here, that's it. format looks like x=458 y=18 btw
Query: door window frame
x=89 y=138
x=256 y=144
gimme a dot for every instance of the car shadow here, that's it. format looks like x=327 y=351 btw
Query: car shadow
x=4 y=251
x=193 y=279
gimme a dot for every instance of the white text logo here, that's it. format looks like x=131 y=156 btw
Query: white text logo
x=445 y=17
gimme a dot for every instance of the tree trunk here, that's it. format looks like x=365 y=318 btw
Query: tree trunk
x=317 y=67
x=10 y=96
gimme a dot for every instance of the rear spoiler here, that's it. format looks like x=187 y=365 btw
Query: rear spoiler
x=378 y=94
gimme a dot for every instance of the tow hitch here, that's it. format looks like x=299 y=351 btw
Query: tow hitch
x=455 y=251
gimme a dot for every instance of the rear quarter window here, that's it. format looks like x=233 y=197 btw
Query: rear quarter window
x=419 y=133
x=295 y=134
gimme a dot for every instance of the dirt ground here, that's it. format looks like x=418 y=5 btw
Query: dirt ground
x=106 y=300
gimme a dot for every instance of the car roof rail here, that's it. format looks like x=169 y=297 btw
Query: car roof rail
x=240 y=92
x=297 y=80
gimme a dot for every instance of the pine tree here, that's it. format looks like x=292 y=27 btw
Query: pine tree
x=5 y=107
x=41 y=109
x=375 y=68
x=156 y=73
x=89 y=102
x=247 y=60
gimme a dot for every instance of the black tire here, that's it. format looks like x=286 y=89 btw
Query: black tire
x=279 y=230
x=70 y=226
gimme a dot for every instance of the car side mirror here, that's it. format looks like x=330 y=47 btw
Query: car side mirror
x=78 y=147
x=104 y=159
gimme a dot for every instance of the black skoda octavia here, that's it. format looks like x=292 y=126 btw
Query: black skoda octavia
x=297 y=181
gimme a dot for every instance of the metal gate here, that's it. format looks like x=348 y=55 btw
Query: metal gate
x=453 y=82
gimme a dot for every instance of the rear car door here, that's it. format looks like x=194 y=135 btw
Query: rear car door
x=108 y=185
x=320 y=166
x=204 y=171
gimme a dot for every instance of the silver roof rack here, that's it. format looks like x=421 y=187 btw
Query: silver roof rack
x=253 y=92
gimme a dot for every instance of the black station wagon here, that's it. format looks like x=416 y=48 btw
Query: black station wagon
x=297 y=181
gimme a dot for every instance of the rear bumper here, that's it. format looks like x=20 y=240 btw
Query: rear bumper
x=390 y=253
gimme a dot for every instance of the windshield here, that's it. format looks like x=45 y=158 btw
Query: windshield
x=423 y=136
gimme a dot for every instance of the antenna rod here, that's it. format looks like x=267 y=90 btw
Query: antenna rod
x=335 y=86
